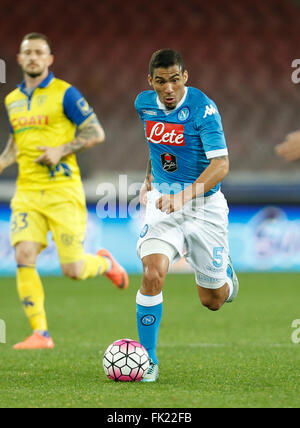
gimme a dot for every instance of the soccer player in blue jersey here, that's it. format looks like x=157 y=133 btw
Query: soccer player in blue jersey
x=186 y=213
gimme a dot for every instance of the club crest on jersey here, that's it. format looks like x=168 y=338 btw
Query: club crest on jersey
x=184 y=114
x=171 y=134
x=169 y=162
x=41 y=99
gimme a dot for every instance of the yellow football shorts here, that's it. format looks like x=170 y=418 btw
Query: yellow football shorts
x=61 y=211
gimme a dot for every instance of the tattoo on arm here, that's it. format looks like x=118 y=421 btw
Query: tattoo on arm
x=87 y=136
x=74 y=147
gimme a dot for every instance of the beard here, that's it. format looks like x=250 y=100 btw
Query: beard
x=33 y=74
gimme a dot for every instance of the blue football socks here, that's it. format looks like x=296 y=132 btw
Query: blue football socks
x=149 y=315
x=44 y=333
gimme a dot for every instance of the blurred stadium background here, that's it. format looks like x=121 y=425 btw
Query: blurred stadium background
x=239 y=53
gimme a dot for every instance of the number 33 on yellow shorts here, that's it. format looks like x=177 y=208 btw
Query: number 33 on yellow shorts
x=62 y=212
x=28 y=226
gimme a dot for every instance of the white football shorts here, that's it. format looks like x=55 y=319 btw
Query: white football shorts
x=198 y=232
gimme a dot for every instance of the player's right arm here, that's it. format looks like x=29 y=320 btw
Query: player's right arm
x=147 y=185
x=9 y=155
x=87 y=136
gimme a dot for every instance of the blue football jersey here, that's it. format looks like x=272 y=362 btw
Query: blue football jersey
x=181 y=141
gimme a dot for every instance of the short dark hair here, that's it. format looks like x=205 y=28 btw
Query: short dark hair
x=37 y=36
x=165 y=58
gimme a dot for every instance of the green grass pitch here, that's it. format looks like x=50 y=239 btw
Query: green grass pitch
x=241 y=356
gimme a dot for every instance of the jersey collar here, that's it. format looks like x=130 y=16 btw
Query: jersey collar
x=46 y=82
x=161 y=106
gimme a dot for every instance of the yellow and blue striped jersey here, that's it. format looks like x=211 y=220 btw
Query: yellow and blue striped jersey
x=47 y=116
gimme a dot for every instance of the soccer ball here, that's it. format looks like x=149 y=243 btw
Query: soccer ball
x=126 y=360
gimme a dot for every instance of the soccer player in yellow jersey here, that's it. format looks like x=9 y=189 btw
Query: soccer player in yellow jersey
x=49 y=122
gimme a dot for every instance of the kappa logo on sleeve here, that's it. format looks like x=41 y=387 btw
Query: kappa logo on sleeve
x=209 y=111
x=170 y=134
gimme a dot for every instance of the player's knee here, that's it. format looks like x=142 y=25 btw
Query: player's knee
x=153 y=281
x=72 y=271
x=25 y=254
x=211 y=303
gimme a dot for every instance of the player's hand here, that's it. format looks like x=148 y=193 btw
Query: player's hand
x=170 y=203
x=146 y=187
x=51 y=155
x=290 y=148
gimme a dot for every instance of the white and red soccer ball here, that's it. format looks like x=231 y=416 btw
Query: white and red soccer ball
x=126 y=360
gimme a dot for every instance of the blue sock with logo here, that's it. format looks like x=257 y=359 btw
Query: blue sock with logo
x=44 y=333
x=149 y=313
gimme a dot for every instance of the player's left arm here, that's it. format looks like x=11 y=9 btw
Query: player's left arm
x=87 y=136
x=209 y=126
x=89 y=130
x=211 y=176
x=217 y=170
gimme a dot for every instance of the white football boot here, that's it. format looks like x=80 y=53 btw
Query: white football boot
x=152 y=374
x=231 y=273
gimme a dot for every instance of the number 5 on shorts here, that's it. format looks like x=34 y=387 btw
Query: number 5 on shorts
x=218 y=257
